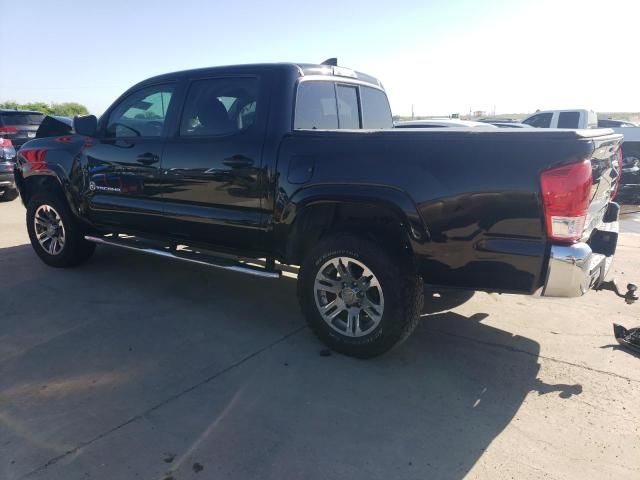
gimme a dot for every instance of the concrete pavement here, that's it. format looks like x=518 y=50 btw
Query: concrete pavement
x=135 y=367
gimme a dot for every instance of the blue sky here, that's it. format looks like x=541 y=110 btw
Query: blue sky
x=442 y=56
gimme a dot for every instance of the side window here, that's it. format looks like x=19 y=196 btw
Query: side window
x=316 y=106
x=569 y=120
x=348 y=111
x=376 y=113
x=541 y=120
x=141 y=114
x=219 y=106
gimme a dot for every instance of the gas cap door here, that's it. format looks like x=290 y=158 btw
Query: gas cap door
x=301 y=168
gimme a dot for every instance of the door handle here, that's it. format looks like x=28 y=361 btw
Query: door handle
x=238 y=161
x=147 y=159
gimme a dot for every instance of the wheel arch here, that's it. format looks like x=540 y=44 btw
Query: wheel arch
x=386 y=215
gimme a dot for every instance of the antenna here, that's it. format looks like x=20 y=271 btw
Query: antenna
x=330 y=61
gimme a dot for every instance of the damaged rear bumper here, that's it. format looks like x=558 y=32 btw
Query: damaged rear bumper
x=574 y=269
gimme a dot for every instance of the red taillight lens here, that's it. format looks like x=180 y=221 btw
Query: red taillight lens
x=35 y=157
x=8 y=129
x=5 y=142
x=566 y=194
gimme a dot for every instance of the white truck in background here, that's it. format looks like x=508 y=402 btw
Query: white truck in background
x=629 y=190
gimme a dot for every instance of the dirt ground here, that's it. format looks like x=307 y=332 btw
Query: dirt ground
x=132 y=367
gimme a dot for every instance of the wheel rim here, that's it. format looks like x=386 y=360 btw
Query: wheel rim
x=49 y=229
x=348 y=296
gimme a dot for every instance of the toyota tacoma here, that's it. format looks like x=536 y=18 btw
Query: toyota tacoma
x=253 y=168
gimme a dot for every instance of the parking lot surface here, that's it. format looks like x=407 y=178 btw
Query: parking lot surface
x=135 y=367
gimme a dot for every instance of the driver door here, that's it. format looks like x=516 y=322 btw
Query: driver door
x=123 y=162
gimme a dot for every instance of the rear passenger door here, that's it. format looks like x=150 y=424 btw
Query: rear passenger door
x=211 y=164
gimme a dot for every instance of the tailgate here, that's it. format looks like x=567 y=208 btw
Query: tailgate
x=605 y=170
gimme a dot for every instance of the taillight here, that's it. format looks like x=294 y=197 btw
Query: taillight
x=5 y=142
x=8 y=130
x=566 y=194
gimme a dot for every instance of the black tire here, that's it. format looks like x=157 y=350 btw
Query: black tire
x=402 y=288
x=8 y=195
x=76 y=249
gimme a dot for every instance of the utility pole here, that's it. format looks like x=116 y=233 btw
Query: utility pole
x=412 y=111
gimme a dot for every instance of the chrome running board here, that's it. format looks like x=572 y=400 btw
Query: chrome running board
x=185 y=255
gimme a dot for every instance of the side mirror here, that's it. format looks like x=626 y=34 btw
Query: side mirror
x=86 y=125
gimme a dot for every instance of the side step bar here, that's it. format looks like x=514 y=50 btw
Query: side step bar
x=132 y=243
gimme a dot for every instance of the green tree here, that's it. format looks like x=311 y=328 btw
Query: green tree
x=69 y=109
x=38 y=107
x=65 y=109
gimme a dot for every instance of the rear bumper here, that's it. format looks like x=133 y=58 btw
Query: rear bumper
x=7 y=180
x=574 y=269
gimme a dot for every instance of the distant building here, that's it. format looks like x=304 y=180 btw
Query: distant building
x=479 y=113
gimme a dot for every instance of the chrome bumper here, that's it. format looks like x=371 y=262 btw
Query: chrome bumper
x=574 y=269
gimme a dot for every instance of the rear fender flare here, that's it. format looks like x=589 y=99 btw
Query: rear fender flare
x=390 y=199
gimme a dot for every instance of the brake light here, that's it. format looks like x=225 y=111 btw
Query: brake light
x=566 y=194
x=5 y=142
x=34 y=157
x=8 y=130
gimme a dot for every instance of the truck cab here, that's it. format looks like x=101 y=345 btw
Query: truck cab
x=575 y=119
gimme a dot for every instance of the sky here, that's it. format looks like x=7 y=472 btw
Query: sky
x=442 y=57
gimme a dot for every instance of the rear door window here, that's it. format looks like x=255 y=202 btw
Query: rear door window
x=569 y=120
x=219 y=106
x=541 y=120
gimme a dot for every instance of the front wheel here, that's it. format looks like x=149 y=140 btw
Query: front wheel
x=359 y=299
x=56 y=235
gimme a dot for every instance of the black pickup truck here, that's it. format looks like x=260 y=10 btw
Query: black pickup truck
x=249 y=168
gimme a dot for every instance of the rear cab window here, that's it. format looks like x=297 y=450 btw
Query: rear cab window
x=336 y=105
x=10 y=119
x=569 y=120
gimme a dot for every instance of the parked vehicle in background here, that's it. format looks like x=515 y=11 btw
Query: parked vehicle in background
x=440 y=123
x=7 y=163
x=629 y=187
x=299 y=164
x=610 y=123
x=19 y=126
x=576 y=119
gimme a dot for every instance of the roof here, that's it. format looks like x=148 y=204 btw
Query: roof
x=300 y=69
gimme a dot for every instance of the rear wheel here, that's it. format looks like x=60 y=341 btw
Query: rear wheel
x=56 y=235
x=358 y=298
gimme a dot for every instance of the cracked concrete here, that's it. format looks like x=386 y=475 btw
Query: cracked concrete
x=132 y=367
